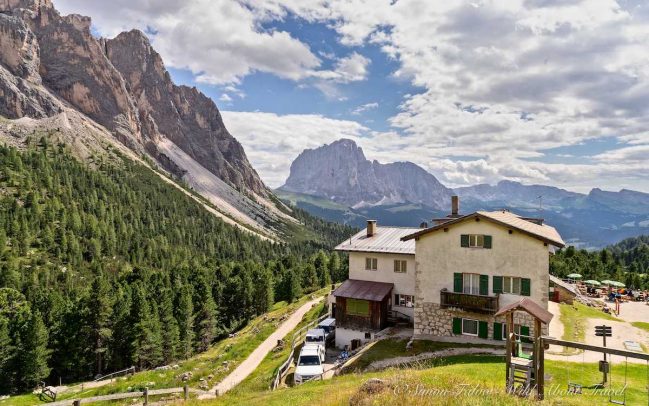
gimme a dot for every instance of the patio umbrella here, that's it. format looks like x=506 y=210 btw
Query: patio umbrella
x=606 y=282
x=617 y=284
x=592 y=282
x=574 y=276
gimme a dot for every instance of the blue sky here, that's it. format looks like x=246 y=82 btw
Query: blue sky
x=538 y=91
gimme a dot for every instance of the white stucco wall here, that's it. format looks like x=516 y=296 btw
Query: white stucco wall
x=345 y=336
x=404 y=283
x=439 y=255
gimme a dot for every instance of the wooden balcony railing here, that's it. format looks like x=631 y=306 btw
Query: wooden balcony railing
x=468 y=302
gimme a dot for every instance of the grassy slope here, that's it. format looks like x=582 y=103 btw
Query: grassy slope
x=454 y=374
x=397 y=348
x=574 y=318
x=295 y=198
x=233 y=350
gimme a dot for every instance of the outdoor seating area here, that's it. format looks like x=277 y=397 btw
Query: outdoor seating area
x=598 y=293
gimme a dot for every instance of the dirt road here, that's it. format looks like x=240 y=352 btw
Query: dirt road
x=254 y=359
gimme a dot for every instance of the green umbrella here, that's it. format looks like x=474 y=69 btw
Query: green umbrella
x=617 y=284
x=592 y=282
x=574 y=276
x=606 y=282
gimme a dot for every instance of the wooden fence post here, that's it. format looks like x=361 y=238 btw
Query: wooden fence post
x=77 y=402
x=146 y=396
x=186 y=392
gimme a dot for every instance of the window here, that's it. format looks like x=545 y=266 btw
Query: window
x=400 y=266
x=471 y=283
x=469 y=327
x=404 y=300
x=371 y=264
x=512 y=285
x=356 y=307
x=476 y=240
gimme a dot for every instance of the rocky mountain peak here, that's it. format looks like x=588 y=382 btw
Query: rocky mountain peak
x=341 y=172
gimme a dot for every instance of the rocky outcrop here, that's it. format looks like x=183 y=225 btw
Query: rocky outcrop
x=48 y=60
x=182 y=114
x=20 y=91
x=341 y=172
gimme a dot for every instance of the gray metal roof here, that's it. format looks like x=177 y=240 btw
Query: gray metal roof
x=563 y=284
x=384 y=240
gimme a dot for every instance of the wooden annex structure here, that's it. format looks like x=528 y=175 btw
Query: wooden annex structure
x=362 y=305
x=525 y=371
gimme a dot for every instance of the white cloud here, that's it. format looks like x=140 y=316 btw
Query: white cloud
x=364 y=107
x=225 y=98
x=219 y=41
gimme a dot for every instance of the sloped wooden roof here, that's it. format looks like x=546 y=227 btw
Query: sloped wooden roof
x=364 y=290
x=529 y=306
x=543 y=232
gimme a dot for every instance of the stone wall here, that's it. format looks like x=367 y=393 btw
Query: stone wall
x=432 y=320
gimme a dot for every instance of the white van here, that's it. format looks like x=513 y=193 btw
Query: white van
x=329 y=327
x=316 y=337
x=309 y=365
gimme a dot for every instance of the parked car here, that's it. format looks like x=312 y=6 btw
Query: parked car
x=309 y=364
x=329 y=327
x=316 y=336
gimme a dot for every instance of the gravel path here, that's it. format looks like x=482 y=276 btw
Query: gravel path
x=254 y=359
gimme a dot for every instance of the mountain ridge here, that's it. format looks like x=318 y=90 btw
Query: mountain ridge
x=57 y=78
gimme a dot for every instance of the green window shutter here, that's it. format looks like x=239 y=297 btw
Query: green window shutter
x=498 y=284
x=464 y=240
x=525 y=331
x=483 y=329
x=484 y=285
x=498 y=331
x=487 y=242
x=457 y=325
x=526 y=288
x=457 y=282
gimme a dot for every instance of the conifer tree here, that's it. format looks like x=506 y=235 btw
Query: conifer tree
x=184 y=312
x=33 y=357
x=170 y=331
x=100 y=310
x=205 y=317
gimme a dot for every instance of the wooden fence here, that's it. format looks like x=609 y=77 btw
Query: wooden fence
x=186 y=390
x=297 y=339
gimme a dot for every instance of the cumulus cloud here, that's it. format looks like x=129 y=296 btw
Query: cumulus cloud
x=364 y=107
x=219 y=41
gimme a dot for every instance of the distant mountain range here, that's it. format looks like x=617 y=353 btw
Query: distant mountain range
x=339 y=183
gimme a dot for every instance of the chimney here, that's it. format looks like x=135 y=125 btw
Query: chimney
x=371 y=227
x=455 y=206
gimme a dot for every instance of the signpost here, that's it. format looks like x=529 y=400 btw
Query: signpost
x=603 y=331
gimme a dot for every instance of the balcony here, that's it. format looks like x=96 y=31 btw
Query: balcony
x=468 y=302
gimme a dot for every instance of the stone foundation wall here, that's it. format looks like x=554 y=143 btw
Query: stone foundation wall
x=432 y=320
